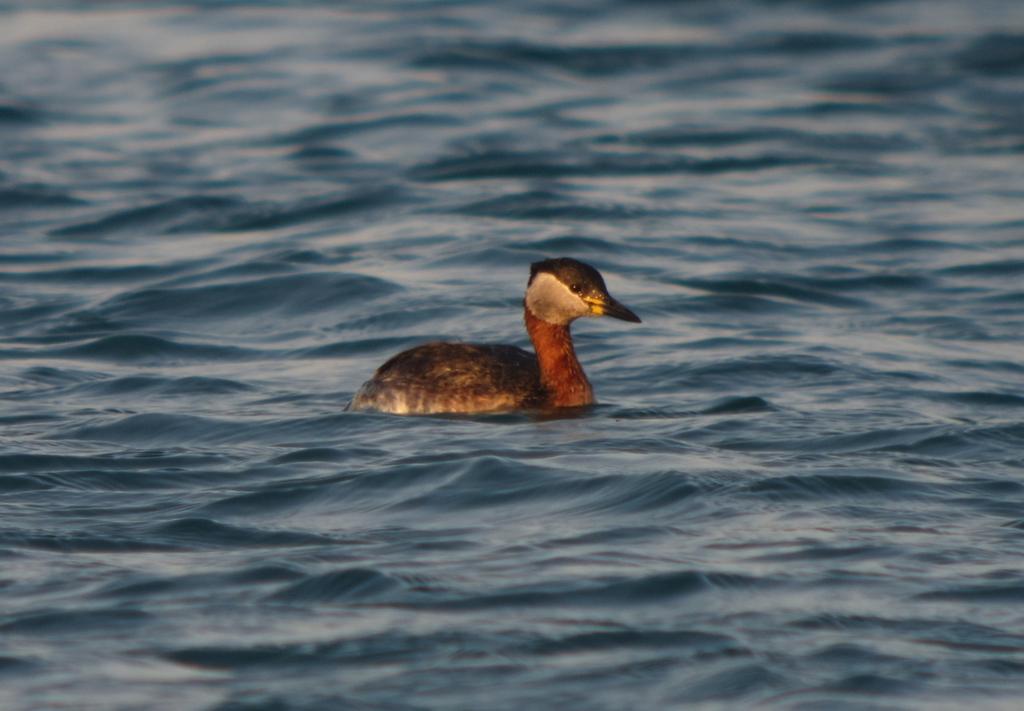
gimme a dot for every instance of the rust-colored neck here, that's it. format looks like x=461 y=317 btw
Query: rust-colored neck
x=561 y=374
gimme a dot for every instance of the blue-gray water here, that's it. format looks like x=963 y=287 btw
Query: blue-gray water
x=803 y=487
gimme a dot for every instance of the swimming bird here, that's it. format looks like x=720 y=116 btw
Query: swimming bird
x=468 y=378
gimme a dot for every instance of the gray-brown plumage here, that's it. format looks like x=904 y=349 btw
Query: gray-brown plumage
x=453 y=377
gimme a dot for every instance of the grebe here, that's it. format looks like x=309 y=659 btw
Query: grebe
x=464 y=377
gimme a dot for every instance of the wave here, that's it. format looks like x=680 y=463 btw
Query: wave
x=27 y=196
x=995 y=54
x=81 y=621
x=768 y=287
x=546 y=205
x=138 y=348
x=226 y=213
x=286 y=295
x=498 y=163
x=151 y=429
x=203 y=534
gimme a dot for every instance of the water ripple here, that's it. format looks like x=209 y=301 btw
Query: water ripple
x=801 y=485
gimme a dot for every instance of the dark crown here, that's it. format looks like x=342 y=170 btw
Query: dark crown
x=581 y=278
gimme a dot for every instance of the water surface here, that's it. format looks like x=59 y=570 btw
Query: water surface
x=801 y=489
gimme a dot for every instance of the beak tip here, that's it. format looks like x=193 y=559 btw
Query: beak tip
x=610 y=307
x=622 y=313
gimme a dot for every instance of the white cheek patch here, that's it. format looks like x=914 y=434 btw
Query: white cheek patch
x=550 y=300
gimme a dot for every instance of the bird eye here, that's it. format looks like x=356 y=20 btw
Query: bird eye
x=576 y=289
